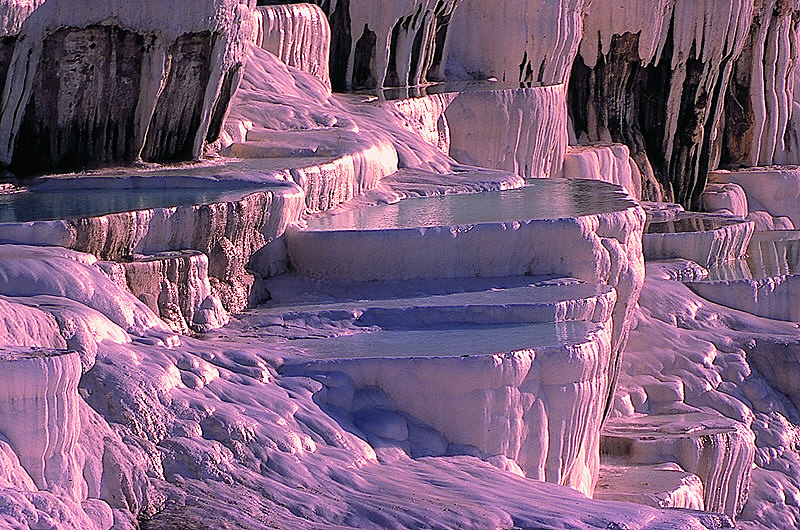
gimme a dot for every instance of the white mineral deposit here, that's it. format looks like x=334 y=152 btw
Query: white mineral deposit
x=399 y=264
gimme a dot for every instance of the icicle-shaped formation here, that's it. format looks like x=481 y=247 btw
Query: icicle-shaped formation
x=758 y=103
x=526 y=41
x=112 y=81
x=39 y=416
x=387 y=43
x=298 y=34
x=657 y=84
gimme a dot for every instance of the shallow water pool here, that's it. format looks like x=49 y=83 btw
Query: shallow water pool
x=451 y=341
x=43 y=205
x=539 y=199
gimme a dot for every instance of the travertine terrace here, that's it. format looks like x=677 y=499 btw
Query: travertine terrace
x=399 y=264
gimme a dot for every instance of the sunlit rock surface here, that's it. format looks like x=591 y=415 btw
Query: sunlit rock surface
x=703 y=238
x=534 y=41
x=772 y=189
x=608 y=162
x=172 y=428
x=39 y=416
x=523 y=127
x=661 y=486
x=702 y=351
x=500 y=402
x=760 y=129
x=523 y=130
x=766 y=283
x=726 y=198
x=115 y=81
x=174 y=285
x=234 y=233
x=720 y=451
x=298 y=35
x=539 y=407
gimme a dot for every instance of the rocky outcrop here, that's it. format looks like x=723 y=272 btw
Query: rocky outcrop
x=96 y=83
x=235 y=235
x=661 y=486
x=703 y=238
x=771 y=189
x=759 y=98
x=298 y=34
x=475 y=236
x=724 y=198
x=718 y=450
x=516 y=41
x=607 y=162
x=523 y=130
x=653 y=75
x=12 y=14
x=387 y=43
x=174 y=285
x=537 y=409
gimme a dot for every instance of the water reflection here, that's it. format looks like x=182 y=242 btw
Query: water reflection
x=448 y=341
x=70 y=204
x=770 y=254
x=447 y=88
x=688 y=224
x=539 y=199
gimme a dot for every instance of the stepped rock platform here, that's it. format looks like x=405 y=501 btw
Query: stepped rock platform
x=459 y=226
x=514 y=364
x=766 y=283
x=773 y=189
x=511 y=300
x=718 y=450
x=703 y=238
x=660 y=486
x=503 y=233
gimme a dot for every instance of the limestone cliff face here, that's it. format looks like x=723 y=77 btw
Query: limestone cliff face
x=386 y=43
x=657 y=83
x=114 y=81
x=526 y=41
x=759 y=98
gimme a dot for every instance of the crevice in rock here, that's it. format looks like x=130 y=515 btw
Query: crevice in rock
x=363 y=75
x=179 y=111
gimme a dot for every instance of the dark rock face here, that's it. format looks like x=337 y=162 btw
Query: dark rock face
x=630 y=101
x=416 y=43
x=173 y=129
x=83 y=102
x=616 y=79
x=115 y=83
x=88 y=86
x=7 y=45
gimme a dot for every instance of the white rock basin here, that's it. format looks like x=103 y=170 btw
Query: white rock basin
x=540 y=199
x=512 y=300
x=706 y=239
x=532 y=393
x=542 y=228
